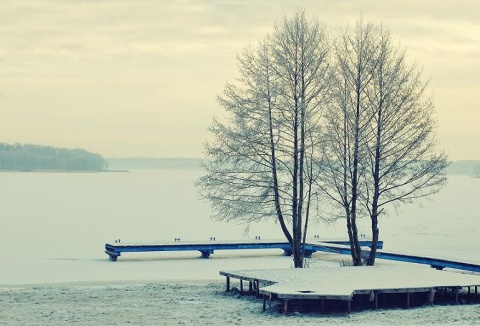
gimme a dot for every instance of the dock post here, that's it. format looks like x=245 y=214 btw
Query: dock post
x=112 y=255
x=241 y=286
x=408 y=300
x=349 y=306
x=228 y=284
x=309 y=253
x=431 y=295
x=206 y=253
x=264 y=301
x=250 y=287
x=285 y=305
x=287 y=252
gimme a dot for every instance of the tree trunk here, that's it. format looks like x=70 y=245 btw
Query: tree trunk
x=375 y=233
x=352 y=242
x=295 y=200
x=355 y=177
x=276 y=194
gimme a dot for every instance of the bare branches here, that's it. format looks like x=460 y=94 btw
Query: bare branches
x=352 y=123
x=379 y=134
x=260 y=161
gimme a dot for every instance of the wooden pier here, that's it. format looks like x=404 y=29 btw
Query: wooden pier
x=348 y=285
x=359 y=286
x=207 y=248
x=434 y=262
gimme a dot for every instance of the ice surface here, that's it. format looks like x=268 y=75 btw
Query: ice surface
x=54 y=227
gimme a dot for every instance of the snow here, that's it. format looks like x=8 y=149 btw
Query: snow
x=53 y=269
x=344 y=281
x=191 y=304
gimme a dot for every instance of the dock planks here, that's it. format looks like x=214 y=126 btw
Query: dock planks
x=346 y=283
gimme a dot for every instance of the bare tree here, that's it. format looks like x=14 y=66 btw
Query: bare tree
x=260 y=163
x=403 y=162
x=345 y=125
x=380 y=146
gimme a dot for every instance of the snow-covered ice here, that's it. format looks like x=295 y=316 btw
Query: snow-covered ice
x=53 y=268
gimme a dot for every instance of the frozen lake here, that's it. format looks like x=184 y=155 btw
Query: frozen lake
x=53 y=227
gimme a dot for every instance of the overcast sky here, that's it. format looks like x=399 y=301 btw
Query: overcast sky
x=139 y=77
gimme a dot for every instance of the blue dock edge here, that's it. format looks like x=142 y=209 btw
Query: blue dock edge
x=331 y=246
x=208 y=248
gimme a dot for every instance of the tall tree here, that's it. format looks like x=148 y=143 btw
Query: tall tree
x=345 y=124
x=380 y=146
x=403 y=161
x=260 y=163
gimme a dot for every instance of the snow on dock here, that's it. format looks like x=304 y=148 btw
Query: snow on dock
x=207 y=248
x=352 y=284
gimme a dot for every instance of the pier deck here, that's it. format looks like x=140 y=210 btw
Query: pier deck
x=207 y=248
x=352 y=284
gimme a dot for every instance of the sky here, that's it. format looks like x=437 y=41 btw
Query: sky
x=138 y=78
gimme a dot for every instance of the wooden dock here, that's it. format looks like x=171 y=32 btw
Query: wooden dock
x=434 y=262
x=207 y=248
x=359 y=286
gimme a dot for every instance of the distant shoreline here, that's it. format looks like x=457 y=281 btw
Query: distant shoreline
x=65 y=171
x=145 y=163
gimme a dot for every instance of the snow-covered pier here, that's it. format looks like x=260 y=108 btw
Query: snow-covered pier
x=359 y=286
x=207 y=248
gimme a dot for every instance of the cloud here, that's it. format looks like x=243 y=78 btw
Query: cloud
x=146 y=64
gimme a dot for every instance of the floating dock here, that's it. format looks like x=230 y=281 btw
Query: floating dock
x=357 y=286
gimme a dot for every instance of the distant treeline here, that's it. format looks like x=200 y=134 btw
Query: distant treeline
x=466 y=167
x=27 y=157
x=145 y=163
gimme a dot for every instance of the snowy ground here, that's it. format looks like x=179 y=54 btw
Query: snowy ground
x=122 y=300
x=190 y=304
